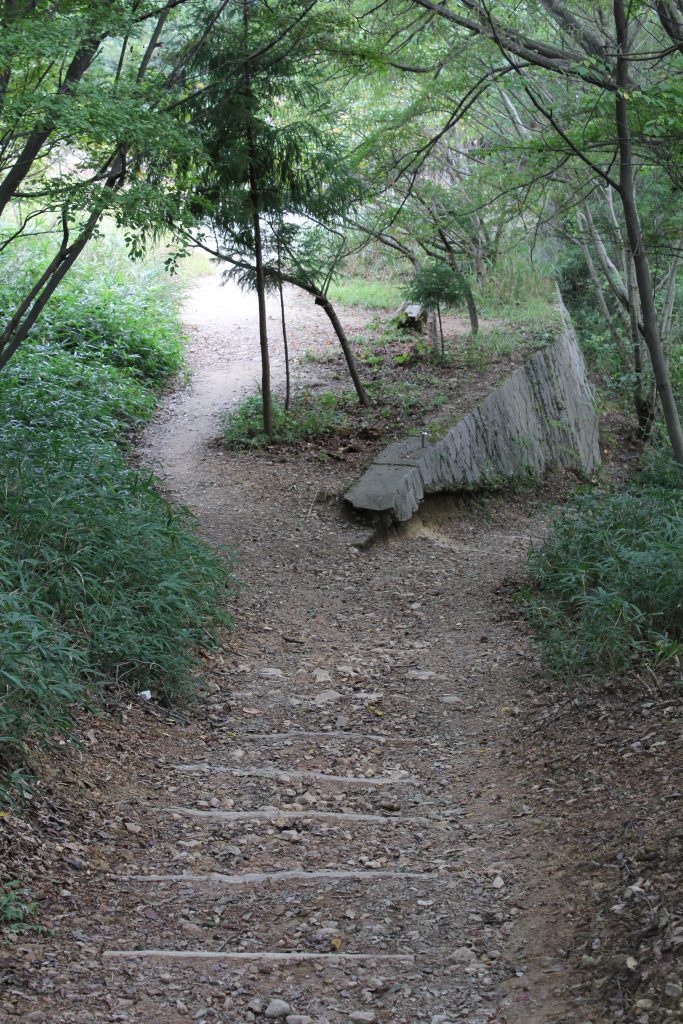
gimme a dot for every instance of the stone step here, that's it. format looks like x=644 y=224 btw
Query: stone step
x=275 y=814
x=286 y=775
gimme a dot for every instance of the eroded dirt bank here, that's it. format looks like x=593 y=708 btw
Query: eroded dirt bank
x=360 y=824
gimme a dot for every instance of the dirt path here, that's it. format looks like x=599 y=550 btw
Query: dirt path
x=342 y=838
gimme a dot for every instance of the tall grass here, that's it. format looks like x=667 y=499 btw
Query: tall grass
x=108 y=309
x=607 y=584
x=368 y=292
x=515 y=287
x=102 y=583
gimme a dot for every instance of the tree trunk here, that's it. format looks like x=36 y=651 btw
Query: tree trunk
x=432 y=332
x=636 y=244
x=322 y=300
x=254 y=200
x=37 y=138
x=471 y=306
x=443 y=344
x=602 y=303
x=288 y=376
x=266 y=396
x=644 y=407
x=16 y=330
x=670 y=295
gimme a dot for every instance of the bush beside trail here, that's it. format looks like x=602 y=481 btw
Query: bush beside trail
x=103 y=583
x=607 y=584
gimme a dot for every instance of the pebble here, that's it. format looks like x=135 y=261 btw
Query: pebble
x=463 y=954
x=326 y=697
x=362 y=1017
x=277 y=1008
x=439 y=1018
x=297 y=1018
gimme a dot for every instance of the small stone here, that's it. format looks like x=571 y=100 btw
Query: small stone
x=644 y=1004
x=255 y=1005
x=326 y=697
x=291 y=834
x=277 y=1008
x=439 y=1018
x=463 y=955
x=672 y=990
x=362 y=1017
x=297 y=1018
x=35 y=1017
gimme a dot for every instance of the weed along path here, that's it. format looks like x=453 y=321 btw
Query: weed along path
x=343 y=834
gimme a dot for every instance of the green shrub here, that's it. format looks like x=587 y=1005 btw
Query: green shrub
x=310 y=416
x=108 y=309
x=15 y=909
x=607 y=583
x=102 y=582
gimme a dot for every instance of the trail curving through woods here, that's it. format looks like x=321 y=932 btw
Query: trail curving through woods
x=430 y=893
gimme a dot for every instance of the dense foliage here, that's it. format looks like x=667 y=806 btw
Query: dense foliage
x=608 y=580
x=103 y=582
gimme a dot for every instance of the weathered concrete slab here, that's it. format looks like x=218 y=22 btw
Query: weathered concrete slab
x=541 y=417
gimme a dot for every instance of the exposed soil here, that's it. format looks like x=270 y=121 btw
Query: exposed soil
x=382 y=811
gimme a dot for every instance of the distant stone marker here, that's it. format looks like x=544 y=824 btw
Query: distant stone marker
x=541 y=417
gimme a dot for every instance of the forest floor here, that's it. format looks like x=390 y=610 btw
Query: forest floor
x=382 y=812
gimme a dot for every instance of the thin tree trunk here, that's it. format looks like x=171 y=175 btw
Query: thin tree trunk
x=609 y=269
x=644 y=408
x=443 y=344
x=602 y=302
x=266 y=397
x=288 y=379
x=254 y=200
x=322 y=300
x=16 y=330
x=670 y=295
x=432 y=333
x=636 y=243
x=39 y=136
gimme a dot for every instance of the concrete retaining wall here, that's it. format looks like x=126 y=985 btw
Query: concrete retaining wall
x=541 y=417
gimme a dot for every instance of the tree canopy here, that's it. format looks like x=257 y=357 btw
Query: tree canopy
x=285 y=137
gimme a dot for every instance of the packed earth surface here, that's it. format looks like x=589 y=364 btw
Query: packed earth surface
x=381 y=812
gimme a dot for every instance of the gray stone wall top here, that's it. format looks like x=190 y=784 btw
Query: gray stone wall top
x=541 y=417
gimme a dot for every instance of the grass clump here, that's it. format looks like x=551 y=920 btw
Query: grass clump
x=310 y=416
x=607 y=584
x=319 y=416
x=102 y=582
x=372 y=294
x=16 y=911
